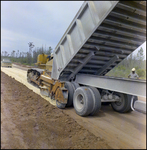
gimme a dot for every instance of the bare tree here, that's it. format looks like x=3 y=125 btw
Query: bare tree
x=49 y=51
x=31 y=45
x=20 y=54
x=17 y=54
x=13 y=53
x=5 y=53
x=140 y=57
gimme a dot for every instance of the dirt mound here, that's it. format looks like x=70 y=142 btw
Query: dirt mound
x=29 y=121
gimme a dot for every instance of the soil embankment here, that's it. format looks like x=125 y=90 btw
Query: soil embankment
x=28 y=121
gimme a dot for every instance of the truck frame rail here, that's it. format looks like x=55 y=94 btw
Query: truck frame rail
x=122 y=85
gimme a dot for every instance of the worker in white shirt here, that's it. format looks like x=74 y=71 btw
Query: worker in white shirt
x=133 y=74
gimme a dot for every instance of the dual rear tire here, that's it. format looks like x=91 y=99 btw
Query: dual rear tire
x=86 y=101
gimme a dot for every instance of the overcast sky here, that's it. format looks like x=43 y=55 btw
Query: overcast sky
x=40 y=22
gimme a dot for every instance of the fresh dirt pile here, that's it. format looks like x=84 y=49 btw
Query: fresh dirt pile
x=28 y=121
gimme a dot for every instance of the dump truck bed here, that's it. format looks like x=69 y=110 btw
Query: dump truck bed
x=101 y=35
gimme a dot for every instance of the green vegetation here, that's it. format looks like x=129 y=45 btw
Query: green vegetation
x=26 y=58
x=124 y=68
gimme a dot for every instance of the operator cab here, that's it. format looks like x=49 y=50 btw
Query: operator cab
x=50 y=57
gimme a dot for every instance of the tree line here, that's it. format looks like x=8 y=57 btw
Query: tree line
x=26 y=58
x=123 y=69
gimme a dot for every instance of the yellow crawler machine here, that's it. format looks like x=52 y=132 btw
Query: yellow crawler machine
x=42 y=59
x=48 y=86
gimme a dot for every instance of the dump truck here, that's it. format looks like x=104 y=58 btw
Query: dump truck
x=101 y=35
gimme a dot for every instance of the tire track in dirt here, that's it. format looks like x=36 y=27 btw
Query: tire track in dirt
x=118 y=130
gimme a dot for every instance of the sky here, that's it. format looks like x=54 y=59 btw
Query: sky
x=40 y=22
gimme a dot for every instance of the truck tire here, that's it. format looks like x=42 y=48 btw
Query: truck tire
x=96 y=100
x=60 y=105
x=82 y=101
x=70 y=88
x=75 y=85
x=124 y=105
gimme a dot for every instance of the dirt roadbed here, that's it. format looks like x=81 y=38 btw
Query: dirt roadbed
x=111 y=129
x=30 y=122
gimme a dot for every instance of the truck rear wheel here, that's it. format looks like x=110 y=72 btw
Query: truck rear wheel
x=124 y=105
x=96 y=100
x=75 y=85
x=70 y=88
x=82 y=101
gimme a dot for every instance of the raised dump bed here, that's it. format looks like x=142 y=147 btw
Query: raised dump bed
x=100 y=36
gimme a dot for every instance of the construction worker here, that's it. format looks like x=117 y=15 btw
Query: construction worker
x=133 y=74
